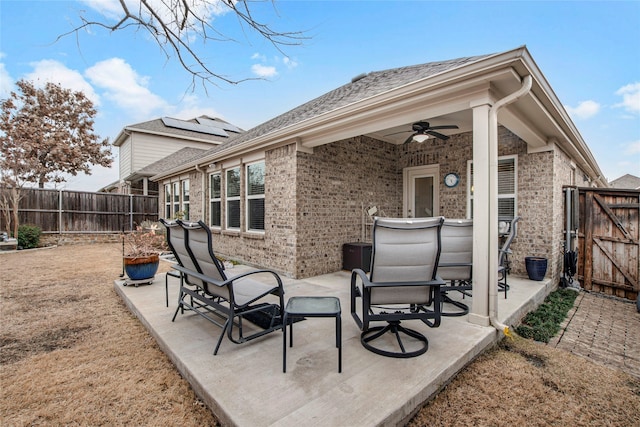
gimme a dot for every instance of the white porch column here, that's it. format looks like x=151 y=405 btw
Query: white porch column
x=479 y=313
x=145 y=186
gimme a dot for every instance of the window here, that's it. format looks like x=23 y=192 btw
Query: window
x=215 y=200
x=255 y=197
x=167 y=201
x=507 y=187
x=233 y=198
x=176 y=198
x=185 y=199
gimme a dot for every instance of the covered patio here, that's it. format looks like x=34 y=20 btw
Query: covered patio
x=244 y=384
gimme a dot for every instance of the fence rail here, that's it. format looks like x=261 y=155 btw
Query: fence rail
x=67 y=211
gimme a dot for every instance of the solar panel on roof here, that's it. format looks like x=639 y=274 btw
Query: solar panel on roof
x=218 y=124
x=194 y=127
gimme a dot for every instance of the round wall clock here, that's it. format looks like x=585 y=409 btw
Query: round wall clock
x=451 y=179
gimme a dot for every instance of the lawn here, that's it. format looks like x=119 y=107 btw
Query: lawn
x=72 y=354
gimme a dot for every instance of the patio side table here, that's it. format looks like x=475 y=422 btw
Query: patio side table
x=311 y=307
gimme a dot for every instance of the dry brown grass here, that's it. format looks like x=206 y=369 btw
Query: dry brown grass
x=72 y=354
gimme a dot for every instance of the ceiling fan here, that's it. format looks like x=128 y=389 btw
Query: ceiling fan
x=423 y=128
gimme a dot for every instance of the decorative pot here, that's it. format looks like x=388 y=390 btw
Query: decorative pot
x=142 y=267
x=536 y=267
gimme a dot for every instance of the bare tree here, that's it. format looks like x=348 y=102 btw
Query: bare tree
x=177 y=26
x=48 y=132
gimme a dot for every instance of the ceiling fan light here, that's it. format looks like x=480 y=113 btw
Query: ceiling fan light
x=420 y=137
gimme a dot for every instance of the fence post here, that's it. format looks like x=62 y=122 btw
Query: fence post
x=131 y=212
x=60 y=211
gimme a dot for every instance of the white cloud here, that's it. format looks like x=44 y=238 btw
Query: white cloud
x=289 y=63
x=125 y=87
x=630 y=97
x=259 y=56
x=49 y=70
x=205 y=10
x=6 y=82
x=584 y=110
x=633 y=148
x=191 y=107
x=264 y=71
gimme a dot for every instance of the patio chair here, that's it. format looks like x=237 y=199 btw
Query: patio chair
x=456 y=260
x=504 y=265
x=177 y=244
x=235 y=298
x=402 y=285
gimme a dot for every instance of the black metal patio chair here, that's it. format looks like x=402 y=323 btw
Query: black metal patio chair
x=233 y=298
x=456 y=262
x=403 y=285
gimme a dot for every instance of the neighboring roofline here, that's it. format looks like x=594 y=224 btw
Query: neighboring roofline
x=124 y=133
x=517 y=61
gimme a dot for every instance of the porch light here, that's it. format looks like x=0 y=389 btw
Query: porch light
x=420 y=137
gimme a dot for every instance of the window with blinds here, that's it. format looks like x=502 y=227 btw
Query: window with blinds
x=167 y=201
x=176 y=197
x=185 y=199
x=507 y=186
x=255 y=196
x=215 y=208
x=233 y=198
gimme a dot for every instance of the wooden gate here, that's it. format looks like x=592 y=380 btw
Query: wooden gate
x=608 y=241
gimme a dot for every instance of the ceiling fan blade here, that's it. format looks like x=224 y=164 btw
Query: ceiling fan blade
x=408 y=140
x=444 y=127
x=438 y=135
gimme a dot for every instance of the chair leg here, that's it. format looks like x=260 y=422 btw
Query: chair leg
x=396 y=329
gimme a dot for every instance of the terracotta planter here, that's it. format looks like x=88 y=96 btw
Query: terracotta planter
x=141 y=268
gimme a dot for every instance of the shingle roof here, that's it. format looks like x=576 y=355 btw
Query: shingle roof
x=627 y=181
x=361 y=87
x=158 y=126
x=174 y=160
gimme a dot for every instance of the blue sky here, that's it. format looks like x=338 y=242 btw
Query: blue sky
x=588 y=51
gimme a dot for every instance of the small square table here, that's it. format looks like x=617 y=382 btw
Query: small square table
x=311 y=307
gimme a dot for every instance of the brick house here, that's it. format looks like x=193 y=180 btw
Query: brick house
x=290 y=192
x=143 y=144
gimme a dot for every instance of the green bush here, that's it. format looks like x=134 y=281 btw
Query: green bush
x=29 y=236
x=544 y=323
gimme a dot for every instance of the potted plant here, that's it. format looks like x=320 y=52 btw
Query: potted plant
x=142 y=252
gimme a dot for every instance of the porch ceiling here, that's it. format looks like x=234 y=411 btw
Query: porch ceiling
x=439 y=104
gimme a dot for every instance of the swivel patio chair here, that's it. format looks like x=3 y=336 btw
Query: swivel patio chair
x=403 y=285
x=235 y=298
x=455 y=264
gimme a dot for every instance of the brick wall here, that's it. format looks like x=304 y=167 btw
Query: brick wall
x=314 y=201
x=334 y=183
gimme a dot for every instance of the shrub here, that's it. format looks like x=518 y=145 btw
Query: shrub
x=542 y=324
x=29 y=236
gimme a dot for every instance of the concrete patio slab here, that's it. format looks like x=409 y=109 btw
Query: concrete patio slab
x=244 y=384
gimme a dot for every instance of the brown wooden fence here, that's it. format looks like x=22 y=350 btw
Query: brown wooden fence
x=608 y=241
x=65 y=211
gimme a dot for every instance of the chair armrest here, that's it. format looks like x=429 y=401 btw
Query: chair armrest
x=227 y=282
x=199 y=276
x=435 y=282
x=455 y=264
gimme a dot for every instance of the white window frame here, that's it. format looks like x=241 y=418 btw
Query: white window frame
x=249 y=197
x=232 y=198
x=503 y=196
x=213 y=199
x=185 y=187
x=167 y=200
x=175 y=198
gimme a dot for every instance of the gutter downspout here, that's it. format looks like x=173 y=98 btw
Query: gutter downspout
x=493 y=197
x=202 y=192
